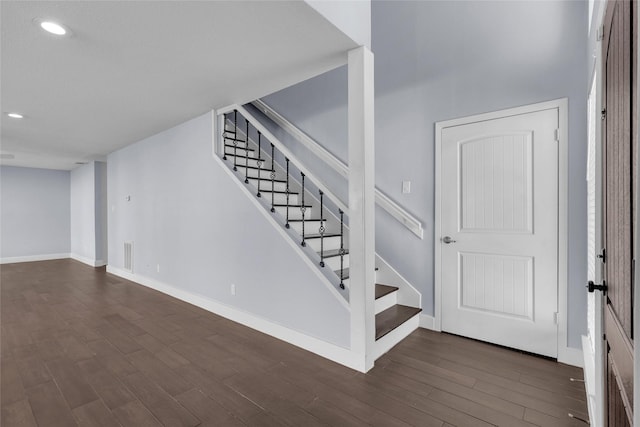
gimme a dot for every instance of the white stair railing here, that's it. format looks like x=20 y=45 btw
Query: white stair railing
x=382 y=200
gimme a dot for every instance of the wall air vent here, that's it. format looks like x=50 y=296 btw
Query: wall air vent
x=128 y=256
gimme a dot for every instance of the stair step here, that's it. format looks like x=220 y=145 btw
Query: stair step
x=334 y=252
x=281 y=181
x=317 y=236
x=393 y=317
x=230 y=138
x=346 y=272
x=239 y=148
x=291 y=193
x=278 y=205
x=382 y=290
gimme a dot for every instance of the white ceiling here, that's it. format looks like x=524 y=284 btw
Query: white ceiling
x=134 y=68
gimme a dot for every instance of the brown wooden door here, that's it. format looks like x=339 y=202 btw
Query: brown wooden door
x=619 y=162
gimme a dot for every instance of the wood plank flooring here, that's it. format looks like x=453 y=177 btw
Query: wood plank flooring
x=82 y=347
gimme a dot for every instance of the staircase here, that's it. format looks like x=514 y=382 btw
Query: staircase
x=311 y=217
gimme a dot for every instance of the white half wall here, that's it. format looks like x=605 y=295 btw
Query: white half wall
x=194 y=229
x=83 y=213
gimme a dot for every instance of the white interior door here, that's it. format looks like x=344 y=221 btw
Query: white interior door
x=499 y=224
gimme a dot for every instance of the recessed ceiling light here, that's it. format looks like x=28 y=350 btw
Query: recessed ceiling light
x=15 y=115
x=53 y=28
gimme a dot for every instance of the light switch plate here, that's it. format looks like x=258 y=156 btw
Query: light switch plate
x=406 y=187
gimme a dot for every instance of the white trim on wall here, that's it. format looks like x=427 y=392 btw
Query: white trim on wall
x=88 y=261
x=382 y=200
x=566 y=354
x=338 y=354
x=32 y=258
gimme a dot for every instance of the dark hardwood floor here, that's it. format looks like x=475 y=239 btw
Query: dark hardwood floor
x=81 y=347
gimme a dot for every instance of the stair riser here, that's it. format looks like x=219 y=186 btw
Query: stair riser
x=278 y=186
x=239 y=151
x=334 y=262
x=240 y=144
x=309 y=226
x=386 y=301
x=266 y=164
x=330 y=243
x=278 y=198
x=253 y=173
x=294 y=212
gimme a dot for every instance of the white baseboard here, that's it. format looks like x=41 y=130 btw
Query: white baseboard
x=571 y=356
x=327 y=350
x=428 y=322
x=31 y=258
x=88 y=261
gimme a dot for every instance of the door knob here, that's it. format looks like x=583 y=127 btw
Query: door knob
x=447 y=240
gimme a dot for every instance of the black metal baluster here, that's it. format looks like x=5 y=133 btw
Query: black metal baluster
x=246 y=155
x=235 y=140
x=273 y=177
x=287 y=190
x=341 y=249
x=303 y=209
x=224 y=132
x=321 y=230
x=259 y=162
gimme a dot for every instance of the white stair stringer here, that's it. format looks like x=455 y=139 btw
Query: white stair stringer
x=292 y=209
x=247 y=155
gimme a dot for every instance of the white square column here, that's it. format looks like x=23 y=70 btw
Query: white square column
x=361 y=203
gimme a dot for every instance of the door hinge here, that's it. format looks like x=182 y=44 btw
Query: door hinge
x=602 y=255
x=591 y=286
x=604 y=114
x=556 y=134
x=555 y=318
x=600 y=34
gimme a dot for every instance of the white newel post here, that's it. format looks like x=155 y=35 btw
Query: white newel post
x=361 y=203
x=215 y=138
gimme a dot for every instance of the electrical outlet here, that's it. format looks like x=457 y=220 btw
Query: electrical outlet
x=158 y=268
x=406 y=187
x=233 y=289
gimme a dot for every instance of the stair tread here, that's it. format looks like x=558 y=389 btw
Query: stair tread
x=317 y=236
x=279 y=192
x=382 y=290
x=345 y=275
x=253 y=167
x=391 y=318
x=239 y=148
x=267 y=179
x=240 y=156
x=334 y=252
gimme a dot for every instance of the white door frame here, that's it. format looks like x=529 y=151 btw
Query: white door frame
x=565 y=354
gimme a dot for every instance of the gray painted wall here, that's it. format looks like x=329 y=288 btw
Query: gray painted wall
x=101 y=211
x=440 y=60
x=187 y=215
x=34 y=212
x=83 y=214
